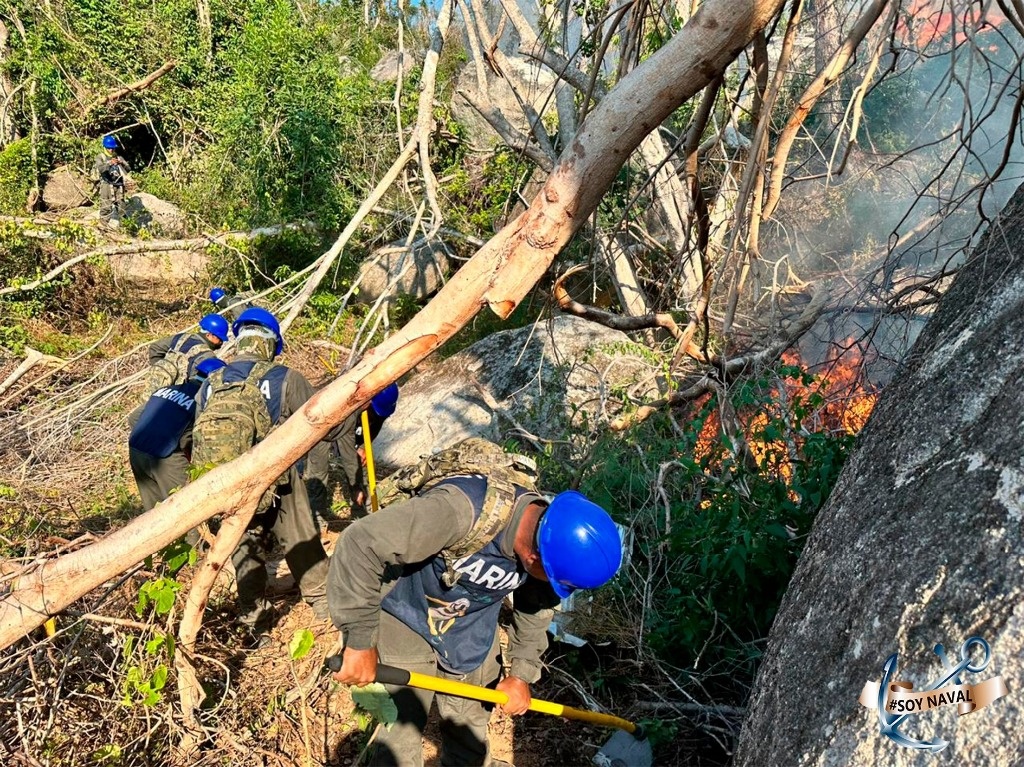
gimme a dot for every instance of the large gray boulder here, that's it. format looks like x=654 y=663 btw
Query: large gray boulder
x=536 y=377
x=66 y=189
x=391 y=63
x=158 y=217
x=920 y=544
x=418 y=271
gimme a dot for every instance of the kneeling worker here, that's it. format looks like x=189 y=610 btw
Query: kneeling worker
x=440 y=616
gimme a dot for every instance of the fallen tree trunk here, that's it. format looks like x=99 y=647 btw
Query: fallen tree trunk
x=499 y=275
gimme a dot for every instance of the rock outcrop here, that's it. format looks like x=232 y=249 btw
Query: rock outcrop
x=920 y=544
x=540 y=377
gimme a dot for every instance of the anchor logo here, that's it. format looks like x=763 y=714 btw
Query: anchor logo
x=889 y=696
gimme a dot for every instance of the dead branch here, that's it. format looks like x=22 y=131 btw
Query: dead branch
x=809 y=98
x=32 y=358
x=142 y=247
x=420 y=134
x=609 y=319
x=138 y=85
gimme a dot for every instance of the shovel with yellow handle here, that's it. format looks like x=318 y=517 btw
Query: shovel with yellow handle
x=627 y=748
x=370 y=473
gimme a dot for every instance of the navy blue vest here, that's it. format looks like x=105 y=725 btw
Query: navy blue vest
x=271 y=385
x=459 y=622
x=168 y=413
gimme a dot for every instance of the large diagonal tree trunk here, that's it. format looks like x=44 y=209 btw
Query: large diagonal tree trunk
x=499 y=276
x=920 y=544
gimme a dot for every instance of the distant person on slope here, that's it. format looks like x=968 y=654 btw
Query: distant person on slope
x=160 y=445
x=223 y=301
x=109 y=173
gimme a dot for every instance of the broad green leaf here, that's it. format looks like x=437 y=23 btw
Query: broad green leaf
x=301 y=644
x=374 y=699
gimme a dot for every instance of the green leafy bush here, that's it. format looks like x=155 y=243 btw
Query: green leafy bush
x=16 y=177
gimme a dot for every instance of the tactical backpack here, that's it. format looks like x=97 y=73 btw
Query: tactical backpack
x=175 y=366
x=504 y=472
x=234 y=417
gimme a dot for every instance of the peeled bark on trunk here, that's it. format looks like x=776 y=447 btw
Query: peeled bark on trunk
x=499 y=275
x=919 y=544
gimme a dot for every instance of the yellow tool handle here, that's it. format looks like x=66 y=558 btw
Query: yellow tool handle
x=396 y=676
x=368 y=447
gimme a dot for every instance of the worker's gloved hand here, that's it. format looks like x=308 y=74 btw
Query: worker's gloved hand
x=357 y=666
x=518 y=693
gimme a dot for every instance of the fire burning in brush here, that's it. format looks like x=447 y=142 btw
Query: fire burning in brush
x=835 y=399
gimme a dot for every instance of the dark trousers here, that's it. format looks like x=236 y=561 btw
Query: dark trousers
x=157 y=477
x=463 y=721
x=289 y=521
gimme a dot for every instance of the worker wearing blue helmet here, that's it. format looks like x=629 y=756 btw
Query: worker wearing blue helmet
x=109 y=173
x=228 y=303
x=160 y=444
x=289 y=519
x=437 y=610
x=351 y=452
x=172 y=359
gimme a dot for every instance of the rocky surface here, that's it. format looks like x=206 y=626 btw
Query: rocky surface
x=541 y=377
x=920 y=544
x=418 y=272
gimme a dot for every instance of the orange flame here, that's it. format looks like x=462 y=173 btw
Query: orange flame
x=846 y=401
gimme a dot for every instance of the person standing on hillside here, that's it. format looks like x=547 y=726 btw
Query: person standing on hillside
x=419 y=585
x=109 y=173
x=351 y=449
x=237 y=407
x=160 y=444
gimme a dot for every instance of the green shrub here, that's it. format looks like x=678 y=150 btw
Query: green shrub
x=16 y=176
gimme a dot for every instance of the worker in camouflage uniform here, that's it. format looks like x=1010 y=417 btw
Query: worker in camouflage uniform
x=109 y=172
x=172 y=359
x=287 y=517
x=160 y=445
x=351 y=451
x=227 y=303
x=405 y=591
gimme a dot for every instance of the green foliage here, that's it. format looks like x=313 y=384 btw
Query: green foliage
x=374 y=700
x=726 y=533
x=302 y=642
x=159 y=593
x=16 y=176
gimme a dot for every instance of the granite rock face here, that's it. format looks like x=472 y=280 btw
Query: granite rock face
x=540 y=377
x=920 y=544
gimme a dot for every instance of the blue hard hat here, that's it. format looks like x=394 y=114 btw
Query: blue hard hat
x=384 y=401
x=206 y=366
x=216 y=294
x=109 y=142
x=215 y=325
x=258 y=316
x=579 y=544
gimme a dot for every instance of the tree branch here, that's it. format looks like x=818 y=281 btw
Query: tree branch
x=139 y=85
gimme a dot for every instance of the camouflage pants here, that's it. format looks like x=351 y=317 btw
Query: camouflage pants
x=110 y=196
x=289 y=521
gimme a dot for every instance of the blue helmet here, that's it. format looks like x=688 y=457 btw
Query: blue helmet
x=109 y=142
x=216 y=294
x=257 y=316
x=579 y=544
x=384 y=401
x=215 y=325
x=206 y=366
